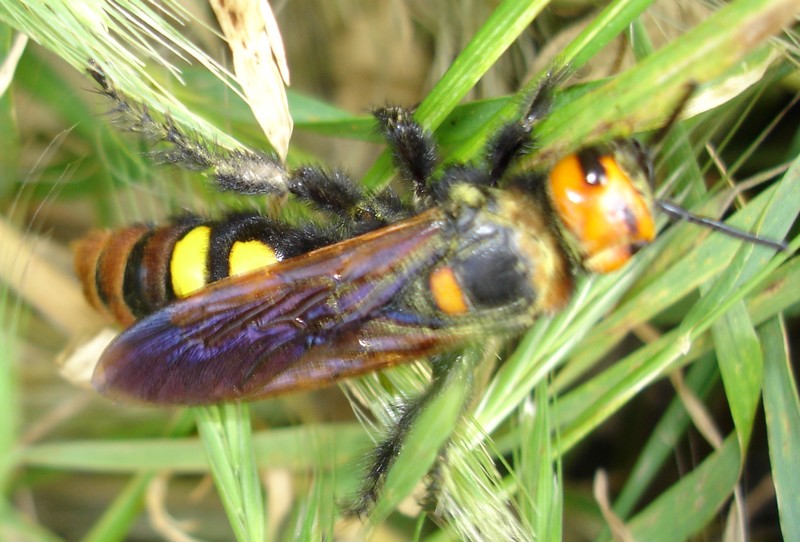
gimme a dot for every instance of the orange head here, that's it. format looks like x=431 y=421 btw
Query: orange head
x=604 y=199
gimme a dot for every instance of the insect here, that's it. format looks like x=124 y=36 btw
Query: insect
x=248 y=307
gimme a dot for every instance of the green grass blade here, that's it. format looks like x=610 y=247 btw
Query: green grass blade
x=119 y=516
x=541 y=483
x=9 y=399
x=507 y=21
x=227 y=441
x=119 y=35
x=701 y=378
x=280 y=447
x=742 y=366
x=600 y=31
x=644 y=97
x=682 y=510
x=782 y=408
x=431 y=431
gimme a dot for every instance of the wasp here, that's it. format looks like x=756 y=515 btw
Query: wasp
x=249 y=307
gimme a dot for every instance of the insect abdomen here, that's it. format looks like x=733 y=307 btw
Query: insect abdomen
x=133 y=272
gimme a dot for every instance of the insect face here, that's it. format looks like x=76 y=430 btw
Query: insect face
x=604 y=199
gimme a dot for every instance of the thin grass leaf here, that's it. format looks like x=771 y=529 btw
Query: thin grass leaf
x=11 y=47
x=227 y=441
x=118 y=35
x=424 y=443
x=472 y=497
x=318 y=511
x=9 y=399
x=701 y=378
x=541 y=484
x=507 y=22
x=120 y=515
x=644 y=96
x=717 y=476
x=742 y=367
x=600 y=31
x=782 y=409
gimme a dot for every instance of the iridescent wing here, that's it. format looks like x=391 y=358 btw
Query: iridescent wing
x=299 y=324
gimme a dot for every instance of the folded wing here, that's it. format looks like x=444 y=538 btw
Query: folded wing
x=299 y=324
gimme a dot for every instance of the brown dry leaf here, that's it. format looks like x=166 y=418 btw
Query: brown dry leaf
x=259 y=61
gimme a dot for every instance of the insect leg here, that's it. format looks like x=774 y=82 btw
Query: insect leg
x=255 y=173
x=513 y=140
x=413 y=149
x=383 y=457
x=243 y=171
x=335 y=193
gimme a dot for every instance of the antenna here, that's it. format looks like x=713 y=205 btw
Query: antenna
x=677 y=212
x=657 y=138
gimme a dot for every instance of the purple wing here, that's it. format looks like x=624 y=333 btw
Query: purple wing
x=299 y=324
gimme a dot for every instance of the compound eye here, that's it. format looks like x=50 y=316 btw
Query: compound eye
x=601 y=206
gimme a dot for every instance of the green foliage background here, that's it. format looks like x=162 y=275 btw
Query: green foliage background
x=673 y=376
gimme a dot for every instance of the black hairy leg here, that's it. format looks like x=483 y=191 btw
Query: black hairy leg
x=334 y=193
x=384 y=455
x=513 y=140
x=248 y=172
x=413 y=149
x=243 y=171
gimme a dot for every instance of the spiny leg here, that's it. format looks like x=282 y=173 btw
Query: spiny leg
x=413 y=149
x=415 y=154
x=335 y=193
x=258 y=173
x=513 y=140
x=242 y=171
x=384 y=455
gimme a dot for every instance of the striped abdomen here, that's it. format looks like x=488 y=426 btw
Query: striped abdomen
x=132 y=272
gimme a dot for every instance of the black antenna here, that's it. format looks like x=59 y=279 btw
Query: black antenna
x=675 y=211
x=677 y=111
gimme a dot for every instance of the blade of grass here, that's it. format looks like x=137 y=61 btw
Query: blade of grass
x=600 y=31
x=424 y=442
x=227 y=441
x=782 y=209
x=119 y=35
x=542 y=499
x=716 y=477
x=9 y=398
x=119 y=516
x=282 y=447
x=505 y=24
x=700 y=379
x=779 y=293
x=742 y=367
x=644 y=96
x=782 y=409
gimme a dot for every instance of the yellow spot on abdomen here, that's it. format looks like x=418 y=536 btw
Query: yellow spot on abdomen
x=447 y=293
x=188 y=265
x=248 y=256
